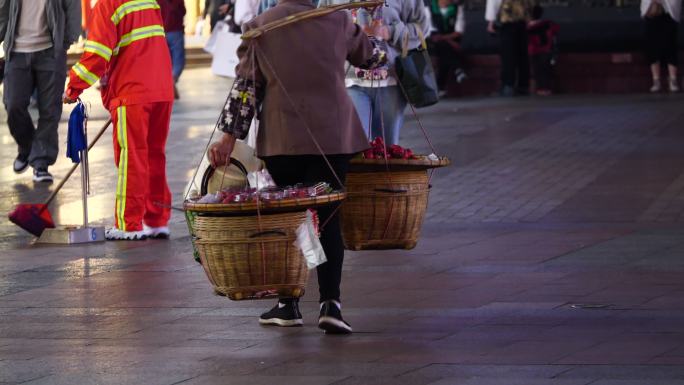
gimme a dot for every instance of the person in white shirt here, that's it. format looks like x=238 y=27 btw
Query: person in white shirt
x=662 y=24
x=447 y=20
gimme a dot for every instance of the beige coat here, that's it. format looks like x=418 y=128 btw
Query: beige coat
x=308 y=58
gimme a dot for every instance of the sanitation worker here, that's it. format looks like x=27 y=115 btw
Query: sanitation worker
x=126 y=52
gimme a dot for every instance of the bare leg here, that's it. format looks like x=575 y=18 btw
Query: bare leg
x=655 y=74
x=674 y=81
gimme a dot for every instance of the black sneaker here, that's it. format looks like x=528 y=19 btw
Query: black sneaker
x=42 y=175
x=284 y=313
x=20 y=164
x=331 y=320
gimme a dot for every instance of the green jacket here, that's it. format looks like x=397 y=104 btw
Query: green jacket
x=63 y=18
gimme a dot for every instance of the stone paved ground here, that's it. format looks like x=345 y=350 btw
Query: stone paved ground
x=552 y=253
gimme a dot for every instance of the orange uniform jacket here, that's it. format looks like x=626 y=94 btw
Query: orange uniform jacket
x=126 y=50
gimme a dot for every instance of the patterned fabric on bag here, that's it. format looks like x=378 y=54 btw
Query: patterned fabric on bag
x=513 y=11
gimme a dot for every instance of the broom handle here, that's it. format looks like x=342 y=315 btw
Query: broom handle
x=73 y=168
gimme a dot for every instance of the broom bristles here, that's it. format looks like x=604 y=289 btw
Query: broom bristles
x=34 y=218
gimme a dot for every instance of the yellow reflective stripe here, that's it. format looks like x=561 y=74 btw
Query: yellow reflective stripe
x=84 y=74
x=121 y=184
x=139 y=34
x=98 y=49
x=132 y=6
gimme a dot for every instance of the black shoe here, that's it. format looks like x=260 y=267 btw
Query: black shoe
x=331 y=320
x=285 y=313
x=42 y=175
x=20 y=164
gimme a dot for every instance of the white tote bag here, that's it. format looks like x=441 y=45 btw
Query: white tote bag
x=224 y=49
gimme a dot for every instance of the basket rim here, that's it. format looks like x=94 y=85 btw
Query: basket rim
x=282 y=205
x=400 y=164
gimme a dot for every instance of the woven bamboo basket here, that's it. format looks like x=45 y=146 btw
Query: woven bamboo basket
x=249 y=258
x=384 y=210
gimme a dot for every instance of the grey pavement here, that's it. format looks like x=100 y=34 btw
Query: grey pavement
x=552 y=253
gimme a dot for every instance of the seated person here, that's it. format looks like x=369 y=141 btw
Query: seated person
x=448 y=26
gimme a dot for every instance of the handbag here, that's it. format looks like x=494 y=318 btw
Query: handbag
x=415 y=73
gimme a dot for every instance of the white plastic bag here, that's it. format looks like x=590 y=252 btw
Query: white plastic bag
x=308 y=242
x=224 y=50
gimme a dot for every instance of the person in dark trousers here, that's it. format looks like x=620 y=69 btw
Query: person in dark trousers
x=37 y=34
x=448 y=24
x=541 y=48
x=508 y=19
x=216 y=10
x=173 y=12
x=313 y=72
x=661 y=19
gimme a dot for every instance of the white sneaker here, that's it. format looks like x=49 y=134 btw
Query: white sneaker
x=674 y=87
x=114 y=234
x=161 y=232
x=656 y=86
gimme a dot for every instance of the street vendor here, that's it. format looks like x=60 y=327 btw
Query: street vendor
x=294 y=77
x=126 y=52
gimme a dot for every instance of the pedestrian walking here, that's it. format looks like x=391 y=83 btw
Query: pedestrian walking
x=313 y=72
x=379 y=100
x=541 y=48
x=508 y=19
x=662 y=26
x=126 y=51
x=173 y=12
x=36 y=36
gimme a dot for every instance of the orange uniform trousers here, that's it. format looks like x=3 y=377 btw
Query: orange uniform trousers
x=142 y=191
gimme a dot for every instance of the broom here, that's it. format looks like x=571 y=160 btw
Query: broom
x=34 y=217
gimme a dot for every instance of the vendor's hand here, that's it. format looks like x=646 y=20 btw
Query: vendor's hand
x=490 y=27
x=219 y=152
x=67 y=100
x=223 y=9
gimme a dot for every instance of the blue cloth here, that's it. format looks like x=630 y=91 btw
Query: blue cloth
x=76 y=136
x=379 y=107
x=176 y=42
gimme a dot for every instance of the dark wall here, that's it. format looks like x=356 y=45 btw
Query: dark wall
x=582 y=30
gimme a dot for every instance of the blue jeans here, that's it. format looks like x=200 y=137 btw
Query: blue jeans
x=176 y=42
x=379 y=107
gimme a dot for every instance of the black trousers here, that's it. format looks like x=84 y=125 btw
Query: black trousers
x=44 y=71
x=542 y=71
x=447 y=58
x=515 y=66
x=288 y=170
x=661 y=39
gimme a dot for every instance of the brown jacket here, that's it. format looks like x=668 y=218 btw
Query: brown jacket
x=308 y=58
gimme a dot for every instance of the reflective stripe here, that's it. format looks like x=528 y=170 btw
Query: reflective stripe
x=98 y=49
x=84 y=74
x=139 y=34
x=122 y=138
x=132 y=6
